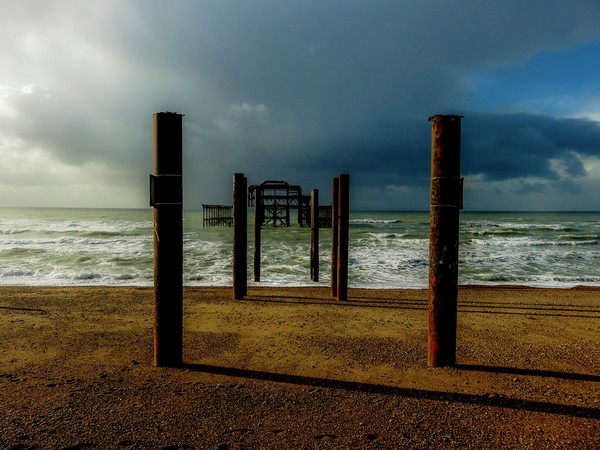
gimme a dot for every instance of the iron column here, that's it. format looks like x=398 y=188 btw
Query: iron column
x=343 y=234
x=257 y=231
x=166 y=195
x=446 y=200
x=314 y=235
x=240 y=237
x=334 y=234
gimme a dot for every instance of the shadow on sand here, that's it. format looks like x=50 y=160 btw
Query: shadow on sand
x=484 y=307
x=484 y=400
x=529 y=372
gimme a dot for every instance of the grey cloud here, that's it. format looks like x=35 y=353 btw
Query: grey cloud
x=504 y=146
x=296 y=90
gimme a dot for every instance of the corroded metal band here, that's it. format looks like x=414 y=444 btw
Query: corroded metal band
x=447 y=191
x=166 y=190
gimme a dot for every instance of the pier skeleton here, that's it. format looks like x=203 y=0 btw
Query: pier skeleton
x=217 y=215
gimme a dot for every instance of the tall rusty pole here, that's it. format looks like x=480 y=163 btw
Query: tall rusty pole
x=314 y=235
x=166 y=195
x=343 y=235
x=446 y=201
x=334 y=234
x=257 y=231
x=240 y=237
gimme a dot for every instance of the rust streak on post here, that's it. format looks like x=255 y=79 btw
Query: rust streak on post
x=167 y=199
x=240 y=237
x=257 y=231
x=314 y=235
x=334 y=234
x=343 y=234
x=446 y=200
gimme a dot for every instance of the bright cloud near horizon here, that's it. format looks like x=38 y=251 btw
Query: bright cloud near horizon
x=301 y=91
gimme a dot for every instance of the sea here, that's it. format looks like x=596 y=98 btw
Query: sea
x=114 y=247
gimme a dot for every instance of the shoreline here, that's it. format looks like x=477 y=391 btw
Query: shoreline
x=290 y=367
x=307 y=285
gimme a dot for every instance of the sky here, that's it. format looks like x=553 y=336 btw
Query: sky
x=301 y=92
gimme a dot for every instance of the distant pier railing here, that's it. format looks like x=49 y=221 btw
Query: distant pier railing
x=325 y=216
x=278 y=199
x=217 y=215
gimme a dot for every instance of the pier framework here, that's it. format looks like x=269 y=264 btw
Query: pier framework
x=217 y=215
x=277 y=200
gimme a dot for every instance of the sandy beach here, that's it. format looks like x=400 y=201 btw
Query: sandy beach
x=292 y=368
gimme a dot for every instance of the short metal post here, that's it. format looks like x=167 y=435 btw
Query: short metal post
x=240 y=237
x=446 y=200
x=334 y=234
x=343 y=235
x=287 y=210
x=166 y=195
x=257 y=231
x=314 y=235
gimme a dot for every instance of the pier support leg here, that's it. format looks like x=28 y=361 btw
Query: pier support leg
x=314 y=235
x=334 y=234
x=257 y=230
x=343 y=234
x=240 y=237
x=167 y=198
x=446 y=200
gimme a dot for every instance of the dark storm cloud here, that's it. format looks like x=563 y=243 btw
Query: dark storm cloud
x=287 y=90
x=504 y=146
x=495 y=147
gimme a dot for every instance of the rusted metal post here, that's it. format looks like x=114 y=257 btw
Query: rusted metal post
x=166 y=196
x=334 y=234
x=343 y=234
x=287 y=210
x=446 y=201
x=257 y=230
x=314 y=235
x=240 y=237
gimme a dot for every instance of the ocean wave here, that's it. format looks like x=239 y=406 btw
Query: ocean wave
x=88 y=276
x=577 y=280
x=102 y=234
x=21 y=252
x=385 y=235
x=126 y=277
x=534 y=226
x=576 y=242
x=10 y=231
x=578 y=237
x=500 y=232
x=375 y=221
x=504 y=243
x=18 y=273
x=386 y=250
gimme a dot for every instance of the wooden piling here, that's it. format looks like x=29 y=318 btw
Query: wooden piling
x=446 y=200
x=314 y=235
x=166 y=195
x=343 y=235
x=257 y=231
x=334 y=234
x=240 y=237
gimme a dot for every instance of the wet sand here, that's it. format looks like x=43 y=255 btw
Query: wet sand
x=292 y=368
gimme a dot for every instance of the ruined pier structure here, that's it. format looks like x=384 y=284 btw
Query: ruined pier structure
x=277 y=201
x=166 y=196
x=273 y=202
x=216 y=215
